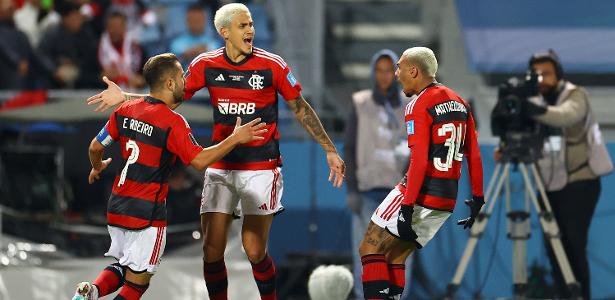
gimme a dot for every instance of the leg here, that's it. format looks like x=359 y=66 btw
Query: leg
x=397 y=257
x=574 y=218
x=110 y=279
x=376 y=243
x=215 y=227
x=254 y=236
x=134 y=286
x=359 y=227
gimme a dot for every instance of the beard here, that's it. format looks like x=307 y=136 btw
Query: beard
x=178 y=96
x=550 y=95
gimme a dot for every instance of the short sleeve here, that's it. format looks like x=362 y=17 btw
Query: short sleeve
x=195 y=77
x=287 y=85
x=181 y=141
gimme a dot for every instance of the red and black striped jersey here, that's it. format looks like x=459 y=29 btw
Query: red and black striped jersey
x=247 y=89
x=151 y=137
x=441 y=130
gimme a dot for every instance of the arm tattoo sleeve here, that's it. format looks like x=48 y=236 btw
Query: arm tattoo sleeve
x=306 y=115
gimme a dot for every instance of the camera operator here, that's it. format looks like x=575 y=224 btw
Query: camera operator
x=574 y=158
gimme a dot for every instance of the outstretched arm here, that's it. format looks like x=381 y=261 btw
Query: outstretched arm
x=249 y=132
x=307 y=117
x=112 y=96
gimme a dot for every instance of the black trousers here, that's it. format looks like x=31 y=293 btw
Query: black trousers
x=573 y=207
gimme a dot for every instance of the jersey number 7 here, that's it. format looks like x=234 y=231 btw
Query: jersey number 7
x=453 y=143
x=134 y=156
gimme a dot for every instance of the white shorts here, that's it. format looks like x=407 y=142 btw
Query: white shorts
x=260 y=191
x=139 y=250
x=425 y=222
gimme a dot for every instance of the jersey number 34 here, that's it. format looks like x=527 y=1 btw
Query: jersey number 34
x=453 y=143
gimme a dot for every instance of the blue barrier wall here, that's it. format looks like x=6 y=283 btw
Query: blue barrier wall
x=310 y=199
x=501 y=35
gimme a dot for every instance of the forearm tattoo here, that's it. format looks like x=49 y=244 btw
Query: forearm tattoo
x=306 y=115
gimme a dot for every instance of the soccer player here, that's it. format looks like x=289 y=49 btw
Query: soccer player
x=243 y=81
x=152 y=136
x=441 y=131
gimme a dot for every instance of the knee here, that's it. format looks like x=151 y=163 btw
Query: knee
x=255 y=254
x=212 y=253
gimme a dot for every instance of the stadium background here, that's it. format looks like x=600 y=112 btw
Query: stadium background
x=45 y=130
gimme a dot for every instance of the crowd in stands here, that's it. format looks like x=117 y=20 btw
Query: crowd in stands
x=69 y=44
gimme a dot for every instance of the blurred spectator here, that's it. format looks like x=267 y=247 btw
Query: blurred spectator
x=376 y=151
x=137 y=14
x=119 y=53
x=68 y=51
x=34 y=18
x=197 y=40
x=14 y=49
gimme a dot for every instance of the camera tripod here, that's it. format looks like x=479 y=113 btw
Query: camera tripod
x=518 y=228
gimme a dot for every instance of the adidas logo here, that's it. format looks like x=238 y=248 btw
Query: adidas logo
x=401 y=217
x=220 y=78
x=385 y=291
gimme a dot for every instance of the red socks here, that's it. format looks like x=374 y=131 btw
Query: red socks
x=131 y=291
x=264 y=274
x=397 y=279
x=375 y=277
x=110 y=279
x=216 y=279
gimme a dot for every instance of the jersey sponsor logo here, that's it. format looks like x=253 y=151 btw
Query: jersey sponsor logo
x=229 y=108
x=256 y=81
x=410 y=127
x=239 y=79
x=291 y=79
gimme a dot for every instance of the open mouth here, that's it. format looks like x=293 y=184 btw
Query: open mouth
x=248 y=41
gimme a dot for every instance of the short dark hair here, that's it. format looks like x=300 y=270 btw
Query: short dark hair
x=196 y=7
x=549 y=56
x=158 y=67
x=64 y=8
x=117 y=14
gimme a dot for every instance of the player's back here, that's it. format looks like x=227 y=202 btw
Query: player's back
x=449 y=114
x=450 y=126
x=140 y=189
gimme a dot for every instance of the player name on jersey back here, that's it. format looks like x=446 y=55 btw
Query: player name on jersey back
x=450 y=106
x=137 y=126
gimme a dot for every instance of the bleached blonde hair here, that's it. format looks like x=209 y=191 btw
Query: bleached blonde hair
x=225 y=14
x=423 y=58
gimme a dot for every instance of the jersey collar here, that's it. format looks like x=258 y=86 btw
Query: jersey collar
x=243 y=61
x=152 y=100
